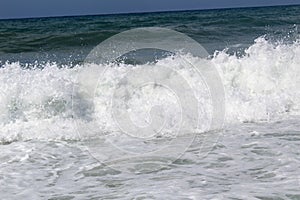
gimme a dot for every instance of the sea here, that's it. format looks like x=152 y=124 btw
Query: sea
x=151 y=124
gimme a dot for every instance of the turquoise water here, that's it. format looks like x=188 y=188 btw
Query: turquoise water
x=60 y=139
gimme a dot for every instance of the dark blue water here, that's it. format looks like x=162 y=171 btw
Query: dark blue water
x=69 y=39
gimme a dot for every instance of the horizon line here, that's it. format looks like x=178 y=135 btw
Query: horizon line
x=149 y=12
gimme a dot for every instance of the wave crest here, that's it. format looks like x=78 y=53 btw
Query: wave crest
x=262 y=85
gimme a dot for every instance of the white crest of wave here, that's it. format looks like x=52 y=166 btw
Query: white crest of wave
x=263 y=85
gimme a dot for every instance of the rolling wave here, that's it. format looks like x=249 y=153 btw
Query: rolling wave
x=260 y=86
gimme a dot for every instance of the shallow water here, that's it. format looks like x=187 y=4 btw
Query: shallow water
x=250 y=161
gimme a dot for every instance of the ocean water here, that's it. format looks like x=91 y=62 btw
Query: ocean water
x=57 y=142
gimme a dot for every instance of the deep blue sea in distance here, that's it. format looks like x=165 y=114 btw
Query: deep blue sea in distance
x=69 y=39
x=76 y=130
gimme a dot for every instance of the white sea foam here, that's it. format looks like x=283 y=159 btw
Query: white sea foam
x=45 y=104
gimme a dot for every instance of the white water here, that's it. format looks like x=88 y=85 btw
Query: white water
x=43 y=156
x=261 y=86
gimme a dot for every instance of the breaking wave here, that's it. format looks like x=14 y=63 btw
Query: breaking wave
x=260 y=86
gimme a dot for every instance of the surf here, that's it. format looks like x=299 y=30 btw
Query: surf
x=262 y=85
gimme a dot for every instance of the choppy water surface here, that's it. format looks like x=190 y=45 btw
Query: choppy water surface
x=250 y=161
